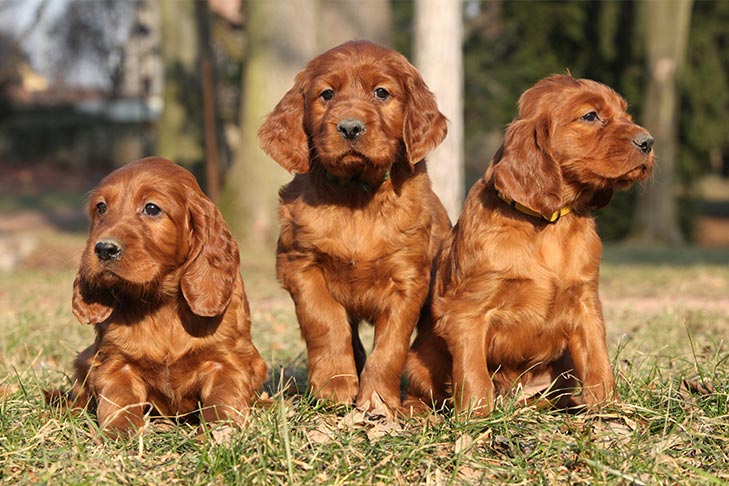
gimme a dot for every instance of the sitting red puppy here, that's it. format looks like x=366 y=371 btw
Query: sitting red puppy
x=360 y=223
x=515 y=298
x=159 y=279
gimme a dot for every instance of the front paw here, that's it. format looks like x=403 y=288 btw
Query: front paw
x=121 y=416
x=599 y=394
x=413 y=406
x=474 y=405
x=121 y=424
x=338 y=388
x=369 y=396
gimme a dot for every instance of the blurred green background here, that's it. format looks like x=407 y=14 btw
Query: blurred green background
x=86 y=86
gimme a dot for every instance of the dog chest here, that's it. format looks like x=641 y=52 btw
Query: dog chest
x=354 y=243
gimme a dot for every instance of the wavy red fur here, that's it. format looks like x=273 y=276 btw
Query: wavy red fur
x=167 y=303
x=515 y=302
x=359 y=222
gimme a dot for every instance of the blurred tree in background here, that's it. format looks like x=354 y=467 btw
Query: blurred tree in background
x=703 y=118
x=92 y=34
x=507 y=47
x=343 y=20
x=209 y=101
x=13 y=58
x=179 y=129
x=506 y=50
x=66 y=106
x=666 y=35
x=438 y=47
x=281 y=38
x=704 y=135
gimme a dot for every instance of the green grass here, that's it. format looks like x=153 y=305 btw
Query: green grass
x=667 y=314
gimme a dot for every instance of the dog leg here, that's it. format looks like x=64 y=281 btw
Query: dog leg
x=224 y=392
x=383 y=370
x=588 y=350
x=428 y=369
x=325 y=328
x=122 y=400
x=473 y=389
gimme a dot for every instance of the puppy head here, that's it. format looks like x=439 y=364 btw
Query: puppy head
x=571 y=136
x=354 y=106
x=154 y=235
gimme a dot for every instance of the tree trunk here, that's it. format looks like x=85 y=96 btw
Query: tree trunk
x=281 y=40
x=667 y=27
x=179 y=135
x=438 y=56
x=207 y=73
x=344 y=20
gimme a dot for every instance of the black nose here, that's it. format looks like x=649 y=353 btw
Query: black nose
x=644 y=142
x=108 y=250
x=351 y=128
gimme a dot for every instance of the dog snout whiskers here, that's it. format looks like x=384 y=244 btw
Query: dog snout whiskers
x=644 y=141
x=108 y=249
x=351 y=128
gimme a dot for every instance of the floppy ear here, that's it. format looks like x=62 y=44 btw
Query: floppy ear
x=282 y=135
x=424 y=127
x=526 y=171
x=212 y=267
x=89 y=306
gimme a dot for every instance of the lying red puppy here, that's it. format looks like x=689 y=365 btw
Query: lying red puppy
x=159 y=280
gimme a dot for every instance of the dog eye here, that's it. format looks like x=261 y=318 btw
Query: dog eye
x=100 y=208
x=590 y=117
x=151 y=209
x=327 y=94
x=382 y=93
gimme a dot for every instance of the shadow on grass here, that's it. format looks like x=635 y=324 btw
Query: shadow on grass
x=614 y=254
x=290 y=377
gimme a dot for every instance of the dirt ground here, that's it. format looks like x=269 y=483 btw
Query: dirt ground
x=41 y=214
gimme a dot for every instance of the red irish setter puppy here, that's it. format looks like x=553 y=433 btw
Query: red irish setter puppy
x=515 y=301
x=359 y=222
x=159 y=280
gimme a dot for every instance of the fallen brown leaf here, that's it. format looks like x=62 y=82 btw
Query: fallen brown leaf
x=699 y=387
x=465 y=443
x=222 y=435
x=382 y=429
x=375 y=416
x=322 y=434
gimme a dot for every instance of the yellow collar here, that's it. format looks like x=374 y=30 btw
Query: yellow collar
x=530 y=212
